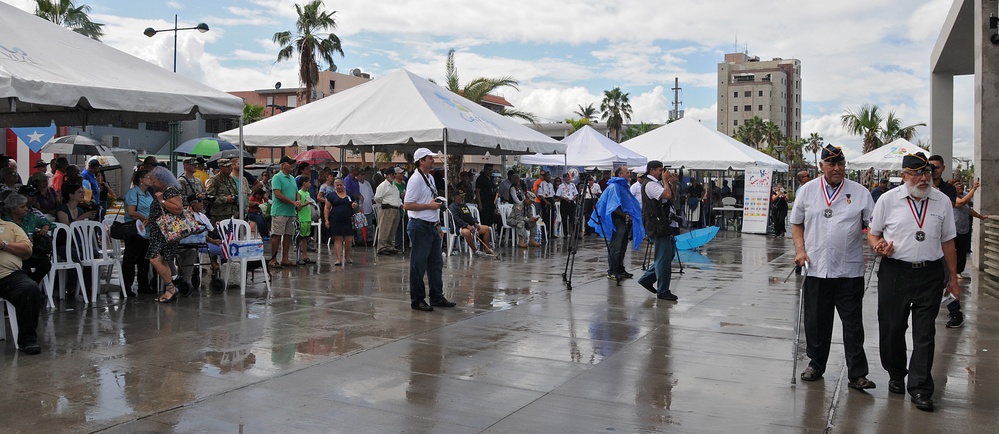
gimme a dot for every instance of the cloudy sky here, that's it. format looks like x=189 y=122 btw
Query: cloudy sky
x=566 y=54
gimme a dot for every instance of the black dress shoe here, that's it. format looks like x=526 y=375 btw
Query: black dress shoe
x=443 y=303
x=668 y=297
x=31 y=349
x=896 y=386
x=422 y=305
x=922 y=402
x=648 y=286
x=626 y=275
x=861 y=383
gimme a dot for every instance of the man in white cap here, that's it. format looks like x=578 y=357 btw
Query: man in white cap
x=423 y=208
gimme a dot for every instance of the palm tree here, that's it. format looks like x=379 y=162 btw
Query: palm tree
x=756 y=131
x=893 y=129
x=814 y=145
x=577 y=124
x=478 y=88
x=616 y=111
x=589 y=112
x=67 y=14
x=252 y=113
x=865 y=122
x=636 y=130
x=309 y=42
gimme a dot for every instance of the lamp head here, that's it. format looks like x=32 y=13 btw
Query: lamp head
x=150 y=32
x=202 y=27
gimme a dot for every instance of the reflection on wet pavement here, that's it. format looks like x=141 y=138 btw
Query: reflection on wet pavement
x=337 y=349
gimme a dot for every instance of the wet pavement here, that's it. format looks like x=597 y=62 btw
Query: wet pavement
x=338 y=349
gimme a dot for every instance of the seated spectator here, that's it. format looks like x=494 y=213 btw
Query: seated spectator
x=466 y=225
x=18 y=211
x=17 y=287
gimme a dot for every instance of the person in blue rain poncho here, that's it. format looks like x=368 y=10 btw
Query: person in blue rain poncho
x=616 y=210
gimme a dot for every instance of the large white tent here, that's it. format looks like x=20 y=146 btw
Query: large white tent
x=588 y=148
x=887 y=157
x=48 y=73
x=398 y=112
x=689 y=144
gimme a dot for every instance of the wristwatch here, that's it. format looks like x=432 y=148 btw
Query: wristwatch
x=4 y=245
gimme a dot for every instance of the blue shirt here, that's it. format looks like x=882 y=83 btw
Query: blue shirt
x=140 y=200
x=96 y=189
x=352 y=186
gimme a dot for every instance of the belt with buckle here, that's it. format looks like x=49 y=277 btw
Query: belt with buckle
x=919 y=264
x=384 y=206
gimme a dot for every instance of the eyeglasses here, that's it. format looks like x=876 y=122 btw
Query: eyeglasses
x=917 y=173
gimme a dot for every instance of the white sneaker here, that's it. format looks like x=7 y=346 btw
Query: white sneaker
x=478 y=254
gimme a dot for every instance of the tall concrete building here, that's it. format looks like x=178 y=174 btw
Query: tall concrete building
x=769 y=89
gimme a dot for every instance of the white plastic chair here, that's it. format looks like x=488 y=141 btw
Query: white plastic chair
x=540 y=224
x=475 y=215
x=505 y=228
x=558 y=219
x=95 y=251
x=241 y=232
x=454 y=239
x=60 y=265
x=12 y=315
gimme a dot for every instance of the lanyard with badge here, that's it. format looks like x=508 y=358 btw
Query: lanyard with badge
x=427 y=180
x=918 y=213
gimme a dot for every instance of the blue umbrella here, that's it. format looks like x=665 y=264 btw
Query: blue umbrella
x=696 y=238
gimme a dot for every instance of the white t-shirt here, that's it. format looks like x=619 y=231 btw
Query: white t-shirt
x=368 y=194
x=834 y=244
x=418 y=191
x=894 y=218
x=636 y=190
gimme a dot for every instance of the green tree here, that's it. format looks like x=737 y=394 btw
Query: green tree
x=865 y=122
x=577 y=124
x=252 y=113
x=756 y=132
x=309 y=42
x=589 y=112
x=893 y=129
x=616 y=110
x=65 y=13
x=478 y=88
x=636 y=130
x=814 y=144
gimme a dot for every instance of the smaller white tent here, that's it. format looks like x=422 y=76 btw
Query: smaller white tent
x=887 y=157
x=689 y=144
x=589 y=149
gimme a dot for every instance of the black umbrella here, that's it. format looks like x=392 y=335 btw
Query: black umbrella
x=75 y=145
x=230 y=154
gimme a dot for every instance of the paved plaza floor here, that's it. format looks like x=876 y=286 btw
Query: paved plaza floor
x=338 y=349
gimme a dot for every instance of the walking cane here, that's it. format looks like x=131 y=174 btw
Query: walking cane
x=797 y=325
x=485 y=246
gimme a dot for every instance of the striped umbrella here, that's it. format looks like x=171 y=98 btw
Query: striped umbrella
x=206 y=146
x=75 y=145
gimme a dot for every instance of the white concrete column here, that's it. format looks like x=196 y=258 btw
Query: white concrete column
x=986 y=121
x=942 y=118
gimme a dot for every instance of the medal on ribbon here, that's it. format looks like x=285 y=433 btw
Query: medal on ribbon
x=830 y=198
x=918 y=213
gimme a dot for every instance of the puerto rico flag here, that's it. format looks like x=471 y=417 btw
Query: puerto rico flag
x=23 y=144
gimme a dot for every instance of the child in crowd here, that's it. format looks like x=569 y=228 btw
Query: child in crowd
x=304 y=219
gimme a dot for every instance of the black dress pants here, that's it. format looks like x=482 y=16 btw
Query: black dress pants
x=846 y=296
x=27 y=298
x=902 y=290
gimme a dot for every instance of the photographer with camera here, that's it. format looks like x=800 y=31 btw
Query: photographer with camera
x=660 y=225
x=423 y=206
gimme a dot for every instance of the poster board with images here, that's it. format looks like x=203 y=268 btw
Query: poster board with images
x=756 y=202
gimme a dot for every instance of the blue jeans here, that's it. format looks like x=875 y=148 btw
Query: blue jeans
x=262 y=224
x=426 y=258
x=661 y=270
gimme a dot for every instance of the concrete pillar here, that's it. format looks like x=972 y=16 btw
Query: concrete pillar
x=942 y=118
x=986 y=121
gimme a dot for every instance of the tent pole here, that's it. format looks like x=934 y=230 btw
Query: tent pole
x=446 y=195
x=240 y=175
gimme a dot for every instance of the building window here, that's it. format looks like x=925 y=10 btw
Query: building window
x=761 y=93
x=735 y=94
x=157 y=126
x=747 y=94
x=270 y=100
x=735 y=122
x=747 y=108
x=735 y=108
x=761 y=107
x=292 y=101
x=123 y=124
x=332 y=86
x=215 y=126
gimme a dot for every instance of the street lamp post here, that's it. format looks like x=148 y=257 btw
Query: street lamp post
x=174 y=130
x=780 y=149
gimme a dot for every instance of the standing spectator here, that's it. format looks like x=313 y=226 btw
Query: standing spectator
x=657 y=206
x=591 y=193
x=137 y=202
x=202 y=173
x=726 y=191
x=284 y=209
x=108 y=196
x=778 y=206
x=40 y=167
x=150 y=163
x=826 y=225
x=612 y=218
x=366 y=207
x=389 y=199
x=17 y=288
x=937 y=165
x=59 y=173
x=465 y=184
x=566 y=195
x=190 y=185
x=351 y=184
x=339 y=211
x=962 y=221
x=427 y=257
x=918 y=256
x=89 y=178
x=161 y=252
x=485 y=196
x=882 y=187
x=546 y=199
x=304 y=219
x=225 y=191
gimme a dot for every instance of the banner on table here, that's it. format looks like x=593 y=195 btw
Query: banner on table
x=756 y=201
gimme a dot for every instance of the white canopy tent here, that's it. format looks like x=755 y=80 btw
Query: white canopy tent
x=588 y=148
x=48 y=73
x=887 y=157
x=689 y=144
x=398 y=112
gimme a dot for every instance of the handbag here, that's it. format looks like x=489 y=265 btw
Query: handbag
x=359 y=221
x=122 y=230
x=41 y=245
x=177 y=227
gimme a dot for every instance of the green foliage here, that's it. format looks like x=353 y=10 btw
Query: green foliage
x=875 y=129
x=636 y=130
x=65 y=13
x=616 y=110
x=589 y=112
x=252 y=113
x=310 y=43
x=577 y=124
